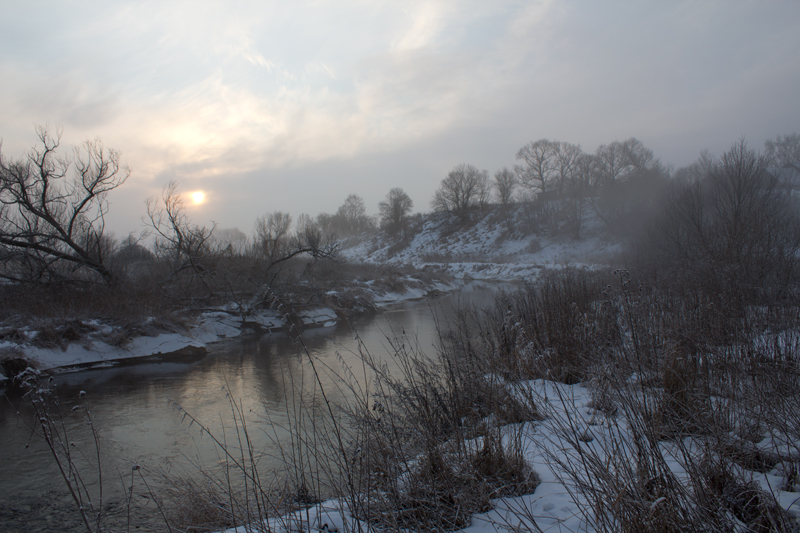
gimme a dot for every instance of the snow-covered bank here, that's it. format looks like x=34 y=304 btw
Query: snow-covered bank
x=98 y=343
x=96 y=347
x=561 y=449
x=436 y=250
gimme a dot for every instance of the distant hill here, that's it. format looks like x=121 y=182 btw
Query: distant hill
x=494 y=243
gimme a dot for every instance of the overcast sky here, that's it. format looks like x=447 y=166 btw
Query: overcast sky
x=294 y=105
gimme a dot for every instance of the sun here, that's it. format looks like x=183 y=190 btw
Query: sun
x=198 y=197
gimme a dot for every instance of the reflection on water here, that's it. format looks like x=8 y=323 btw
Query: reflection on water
x=134 y=406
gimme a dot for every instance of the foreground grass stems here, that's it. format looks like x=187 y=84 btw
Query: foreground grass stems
x=673 y=439
x=68 y=454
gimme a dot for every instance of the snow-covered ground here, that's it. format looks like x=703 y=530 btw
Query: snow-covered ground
x=550 y=506
x=486 y=250
x=571 y=431
x=555 y=448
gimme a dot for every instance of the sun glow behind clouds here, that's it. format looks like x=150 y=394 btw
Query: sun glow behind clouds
x=198 y=197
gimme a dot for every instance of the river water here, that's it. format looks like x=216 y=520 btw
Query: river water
x=139 y=410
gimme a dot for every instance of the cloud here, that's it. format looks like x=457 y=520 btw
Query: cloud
x=187 y=93
x=212 y=93
x=427 y=20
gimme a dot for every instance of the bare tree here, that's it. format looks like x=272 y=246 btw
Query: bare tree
x=538 y=171
x=611 y=162
x=585 y=176
x=178 y=240
x=328 y=223
x=275 y=243
x=272 y=237
x=547 y=164
x=132 y=257
x=394 y=209
x=783 y=151
x=741 y=197
x=505 y=184
x=627 y=179
x=582 y=177
x=230 y=241
x=307 y=226
x=464 y=187
x=313 y=241
x=52 y=209
x=352 y=216
x=637 y=156
x=617 y=160
x=565 y=159
x=698 y=170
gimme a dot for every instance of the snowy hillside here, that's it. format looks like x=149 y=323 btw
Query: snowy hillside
x=489 y=246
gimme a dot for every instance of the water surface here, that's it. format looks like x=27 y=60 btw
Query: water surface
x=140 y=408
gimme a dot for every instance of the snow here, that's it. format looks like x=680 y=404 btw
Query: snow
x=212 y=326
x=100 y=352
x=556 y=504
x=394 y=297
x=483 y=252
x=318 y=316
x=487 y=250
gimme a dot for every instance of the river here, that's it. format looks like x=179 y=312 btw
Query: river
x=140 y=407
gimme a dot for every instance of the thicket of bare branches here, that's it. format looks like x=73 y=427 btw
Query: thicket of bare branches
x=505 y=185
x=734 y=227
x=618 y=181
x=274 y=242
x=783 y=150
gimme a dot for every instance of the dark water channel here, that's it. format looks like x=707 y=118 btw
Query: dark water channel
x=134 y=408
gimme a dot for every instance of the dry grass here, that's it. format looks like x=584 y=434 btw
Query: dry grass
x=558 y=328
x=677 y=380
x=197 y=506
x=433 y=448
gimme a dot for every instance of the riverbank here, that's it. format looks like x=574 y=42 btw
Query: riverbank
x=79 y=344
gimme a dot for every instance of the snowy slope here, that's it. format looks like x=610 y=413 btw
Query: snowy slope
x=485 y=248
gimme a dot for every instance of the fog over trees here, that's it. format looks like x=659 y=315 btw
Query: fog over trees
x=505 y=186
x=383 y=267
x=782 y=151
x=735 y=226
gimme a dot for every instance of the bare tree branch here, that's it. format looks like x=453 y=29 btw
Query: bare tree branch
x=52 y=209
